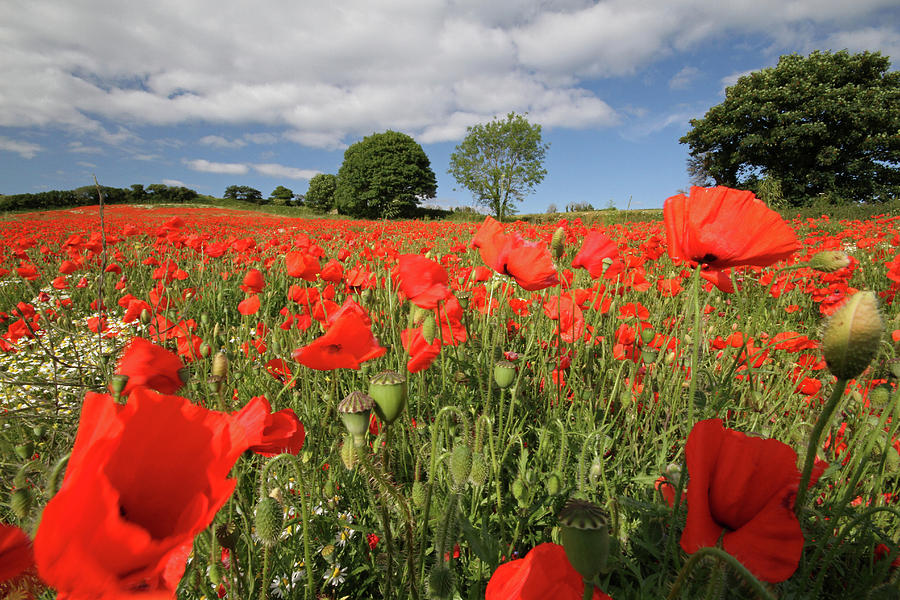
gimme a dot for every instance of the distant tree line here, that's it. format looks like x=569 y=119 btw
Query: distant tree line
x=87 y=195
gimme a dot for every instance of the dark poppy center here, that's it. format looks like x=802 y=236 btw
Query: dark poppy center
x=707 y=258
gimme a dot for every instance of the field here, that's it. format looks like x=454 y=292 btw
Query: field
x=682 y=409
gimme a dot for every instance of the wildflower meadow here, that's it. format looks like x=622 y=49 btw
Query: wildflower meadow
x=202 y=403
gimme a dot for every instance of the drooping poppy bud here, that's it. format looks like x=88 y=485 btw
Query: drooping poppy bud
x=829 y=261
x=558 y=243
x=269 y=520
x=461 y=464
x=851 y=336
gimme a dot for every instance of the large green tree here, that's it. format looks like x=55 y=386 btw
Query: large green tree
x=385 y=175
x=828 y=123
x=320 y=195
x=281 y=195
x=500 y=162
x=243 y=192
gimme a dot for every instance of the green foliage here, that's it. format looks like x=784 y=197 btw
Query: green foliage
x=386 y=175
x=822 y=124
x=500 y=162
x=87 y=195
x=281 y=196
x=320 y=196
x=243 y=192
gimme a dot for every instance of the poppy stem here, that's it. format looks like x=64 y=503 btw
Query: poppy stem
x=697 y=558
x=588 y=590
x=815 y=439
x=695 y=344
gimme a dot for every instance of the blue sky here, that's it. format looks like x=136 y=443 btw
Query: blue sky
x=211 y=94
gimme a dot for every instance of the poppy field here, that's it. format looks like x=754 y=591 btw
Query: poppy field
x=206 y=403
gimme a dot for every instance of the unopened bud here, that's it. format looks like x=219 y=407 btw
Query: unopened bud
x=269 y=520
x=829 y=261
x=145 y=317
x=418 y=494
x=851 y=336
x=20 y=502
x=460 y=464
x=220 y=364
x=478 y=474
x=554 y=483
x=441 y=582
x=558 y=243
x=348 y=454
x=429 y=328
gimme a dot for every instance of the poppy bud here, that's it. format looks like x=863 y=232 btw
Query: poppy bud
x=504 y=373
x=20 y=479
x=829 y=261
x=355 y=409
x=25 y=450
x=269 y=520
x=215 y=573
x=478 y=474
x=418 y=494
x=460 y=464
x=220 y=365
x=348 y=454
x=554 y=483
x=558 y=243
x=20 y=502
x=585 y=537
x=647 y=335
x=673 y=473
x=429 y=329
x=417 y=315
x=117 y=383
x=388 y=391
x=145 y=317
x=205 y=350
x=441 y=582
x=851 y=336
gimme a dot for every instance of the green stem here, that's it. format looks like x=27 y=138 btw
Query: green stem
x=695 y=559
x=695 y=345
x=588 y=590
x=815 y=439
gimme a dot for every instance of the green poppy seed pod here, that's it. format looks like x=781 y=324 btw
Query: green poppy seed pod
x=460 y=464
x=673 y=473
x=478 y=473
x=269 y=520
x=220 y=364
x=354 y=410
x=205 y=350
x=585 y=537
x=441 y=582
x=504 y=373
x=554 y=483
x=463 y=299
x=880 y=397
x=851 y=336
x=429 y=329
x=20 y=502
x=418 y=494
x=117 y=383
x=227 y=535
x=647 y=335
x=829 y=261
x=388 y=390
x=558 y=243
x=204 y=319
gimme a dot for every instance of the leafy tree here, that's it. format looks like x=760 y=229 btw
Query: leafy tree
x=500 y=162
x=281 y=195
x=822 y=124
x=320 y=195
x=386 y=175
x=243 y=192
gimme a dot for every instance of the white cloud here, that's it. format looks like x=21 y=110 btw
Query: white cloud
x=322 y=74
x=205 y=166
x=23 y=149
x=81 y=148
x=173 y=183
x=684 y=78
x=275 y=170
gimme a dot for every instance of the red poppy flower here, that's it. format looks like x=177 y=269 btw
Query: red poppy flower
x=721 y=227
x=545 y=572
x=302 y=265
x=249 y=306
x=143 y=479
x=745 y=487
x=528 y=263
x=422 y=280
x=16 y=554
x=421 y=353
x=347 y=343
x=149 y=365
x=282 y=432
x=599 y=255
x=253 y=282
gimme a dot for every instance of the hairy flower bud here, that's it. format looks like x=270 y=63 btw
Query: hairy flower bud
x=429 y=329
x=829 y=261
x=269 y=520
x=851 y=336
x=478 y=474
x=558 y=243
x=20 y=502
x=441 y=582
x=460 y=464
x=418 y=494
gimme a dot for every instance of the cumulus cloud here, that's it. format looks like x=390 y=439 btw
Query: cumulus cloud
x=205 y=166
x=324 y=74
x=684 y=78
x=275 y=170
x=173 y=183
x=23 y=149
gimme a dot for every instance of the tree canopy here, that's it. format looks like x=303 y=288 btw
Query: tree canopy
x=500 y=162
x=281 y=195
x=825 y=124
x=243 y=192
x=320 y=195
x=385 y=175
